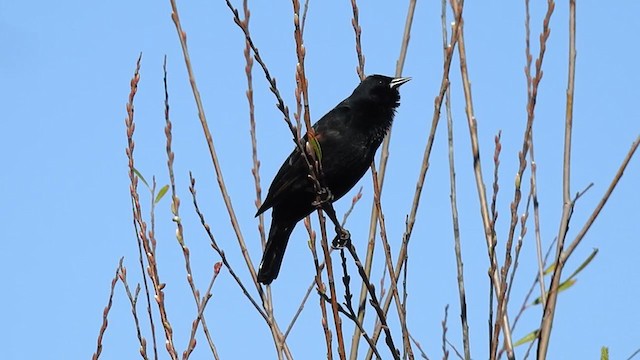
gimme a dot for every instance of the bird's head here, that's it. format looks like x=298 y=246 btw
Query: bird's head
x=380 y=90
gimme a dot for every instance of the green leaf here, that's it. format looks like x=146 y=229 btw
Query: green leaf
x=548 y=270
x=563 y=286
x=161 y=193
x=585 y=263
x=571 y=279
x=580 y=268
x=315 y=144
x=528 y=338
x=566 y=284
x=604 y=353
x=138 y=174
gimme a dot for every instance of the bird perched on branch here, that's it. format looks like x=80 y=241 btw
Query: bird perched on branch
x=348 y=137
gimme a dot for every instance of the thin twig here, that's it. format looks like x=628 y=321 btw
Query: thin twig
x=130 y=146
x=271 y=322
x=453 y=198
x=255 y=170
x=284 y=109
x=553 y=293
x=358 y=33
x=332 y=288
x=484 y=209
x=202 y=304
x=445 y=352
x=320 y=266
x=374 y=302
x=133 y=300
x=534 y=192
x=320 y=288
x=105 y=314
x=393 y=290
x=217 y=249
x=417 y=344
x=304 y=16
x=348 y=296
x=525 y=301
x=634 y=354
x=175 y=210
x=146 y=237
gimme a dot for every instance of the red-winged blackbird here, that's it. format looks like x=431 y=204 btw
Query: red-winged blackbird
x=349 y=136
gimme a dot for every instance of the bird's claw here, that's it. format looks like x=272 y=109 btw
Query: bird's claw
x=343 y=237
x=324 y=196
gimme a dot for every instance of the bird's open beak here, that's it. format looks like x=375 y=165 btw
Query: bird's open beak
x=395 y=83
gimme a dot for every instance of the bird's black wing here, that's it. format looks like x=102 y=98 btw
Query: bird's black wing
x=292 y=178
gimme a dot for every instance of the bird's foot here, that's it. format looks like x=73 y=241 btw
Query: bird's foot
x=324 y=196
x=343 y=237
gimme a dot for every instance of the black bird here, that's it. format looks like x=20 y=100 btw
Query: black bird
x=349 y=136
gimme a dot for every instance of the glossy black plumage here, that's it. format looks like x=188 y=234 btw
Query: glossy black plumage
x=349 y=136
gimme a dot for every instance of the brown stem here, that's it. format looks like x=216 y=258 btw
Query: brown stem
x=567 y=208
x=484 y=209
x=379 y=179
x=454 y=203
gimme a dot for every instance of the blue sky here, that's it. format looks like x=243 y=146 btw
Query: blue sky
x=64 y=82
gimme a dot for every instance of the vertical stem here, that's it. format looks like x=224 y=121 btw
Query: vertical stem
x=550 y=306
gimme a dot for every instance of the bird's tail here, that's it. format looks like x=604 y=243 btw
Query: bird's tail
x=274 y=252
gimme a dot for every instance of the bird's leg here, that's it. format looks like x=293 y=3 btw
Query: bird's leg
x=324 y=197
x=342 y=235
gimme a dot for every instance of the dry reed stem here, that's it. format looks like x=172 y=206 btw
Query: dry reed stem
x=532 y=90
x=182 y=36
x=603 y=200
x=567 y=208
x=534 y=187
x=549 y=312
x=484 y=208
x=284 y=109
x=130 y=125
x=379 y=179
x=392 y=274
x=424 y=167
x=175 y=210
x=255 y=170
x=146 y=238
x=277 y=335
x=315 y=172
x=453 y=198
